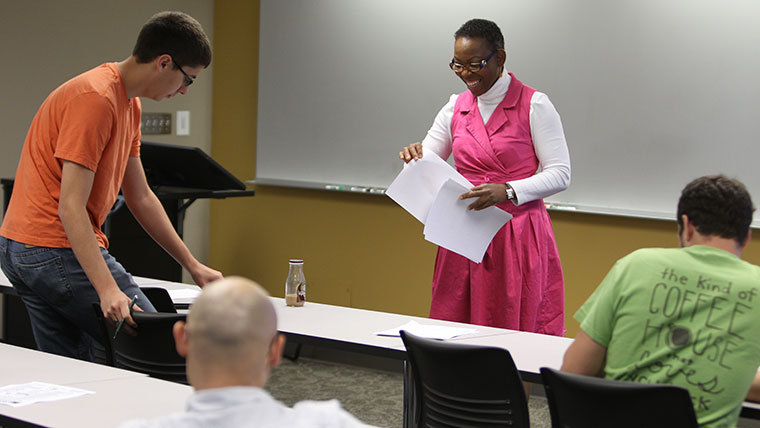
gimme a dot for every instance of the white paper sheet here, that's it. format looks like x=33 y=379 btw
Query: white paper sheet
x=417 y=185
x=428 y=331
x=468 y=233
x=35 y=392
x=143 y=281
x=184 y=295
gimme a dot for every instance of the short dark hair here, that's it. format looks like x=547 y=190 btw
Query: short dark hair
x=482 y=29
x=717 y=205
x=177 y=34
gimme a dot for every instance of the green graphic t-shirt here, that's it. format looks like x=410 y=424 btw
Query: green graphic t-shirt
x=681 y=316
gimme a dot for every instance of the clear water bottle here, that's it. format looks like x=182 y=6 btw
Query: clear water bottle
x=295 y=284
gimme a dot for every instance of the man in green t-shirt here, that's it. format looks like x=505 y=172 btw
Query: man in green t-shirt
x=686 y=316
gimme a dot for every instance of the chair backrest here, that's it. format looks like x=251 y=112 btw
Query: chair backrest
x=152 y=350
x=160 y=299
x=464 y=386
x=584 y=401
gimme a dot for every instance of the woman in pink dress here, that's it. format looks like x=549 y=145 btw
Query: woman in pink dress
x=507 y=139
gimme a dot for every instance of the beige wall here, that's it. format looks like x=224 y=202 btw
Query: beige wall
x=360 y=250
x=45 y=42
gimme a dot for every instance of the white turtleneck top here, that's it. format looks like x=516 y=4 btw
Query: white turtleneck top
x=549 y=142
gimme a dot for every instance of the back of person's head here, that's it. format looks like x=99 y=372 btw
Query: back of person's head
x=231 y=326
x=482 y=29
x=177 y=34
x=717 y=206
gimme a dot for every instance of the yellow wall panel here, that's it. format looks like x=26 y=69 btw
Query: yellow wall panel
x=361 y=250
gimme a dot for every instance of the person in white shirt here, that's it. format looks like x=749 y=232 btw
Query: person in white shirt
x=231 y=343
x=506 y=139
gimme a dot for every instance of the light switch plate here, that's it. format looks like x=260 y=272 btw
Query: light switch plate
x=183 y=122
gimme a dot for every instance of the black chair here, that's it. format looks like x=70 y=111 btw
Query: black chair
x=584 y=401
x=160 y=299
x=458 y=385
x=151 y=351
x=101 y=349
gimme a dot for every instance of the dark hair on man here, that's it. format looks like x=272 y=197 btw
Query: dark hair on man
x=482 y=29
x=177 y=34
x=717 y=205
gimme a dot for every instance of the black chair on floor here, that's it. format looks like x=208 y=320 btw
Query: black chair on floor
x=101 y=350
x=584 y=401
x=151 y=351
x=459 y=385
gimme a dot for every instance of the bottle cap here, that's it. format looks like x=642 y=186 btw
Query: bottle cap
x=296 y=261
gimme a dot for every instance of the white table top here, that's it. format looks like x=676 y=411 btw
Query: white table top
x=115 y=401
x=4 y=280
x=141 y=281
x=21 y=365
x=530 y=351
x=120 y=395
x=171 y=286
x=357 y=326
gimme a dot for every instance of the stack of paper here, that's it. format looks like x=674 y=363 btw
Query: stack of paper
x=429 y=190
x=184 y=295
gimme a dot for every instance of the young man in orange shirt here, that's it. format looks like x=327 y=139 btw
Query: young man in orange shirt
x=83 y=146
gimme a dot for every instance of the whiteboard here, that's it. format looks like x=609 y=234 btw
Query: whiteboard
x=652 y=93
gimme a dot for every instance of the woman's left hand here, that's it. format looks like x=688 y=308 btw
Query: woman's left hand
x=488 y=194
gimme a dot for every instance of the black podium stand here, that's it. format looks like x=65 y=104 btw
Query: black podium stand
x=178 y=175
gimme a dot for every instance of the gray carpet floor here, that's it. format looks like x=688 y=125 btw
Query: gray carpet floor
x=374 y=396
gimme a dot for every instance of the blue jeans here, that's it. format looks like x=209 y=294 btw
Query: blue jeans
x=59 y=297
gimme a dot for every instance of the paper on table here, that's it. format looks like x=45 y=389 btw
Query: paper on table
x=35 y=392
x=417 y=185
x=143 y=281
x=184 y=294
x=428 y=331
x=468 y=233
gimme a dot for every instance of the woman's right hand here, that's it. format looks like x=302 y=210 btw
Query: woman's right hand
x=412 y=151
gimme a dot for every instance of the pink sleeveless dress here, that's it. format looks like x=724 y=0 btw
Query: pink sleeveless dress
x=519 y=283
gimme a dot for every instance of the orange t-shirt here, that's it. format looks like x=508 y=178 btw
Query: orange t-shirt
x=90 y=121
